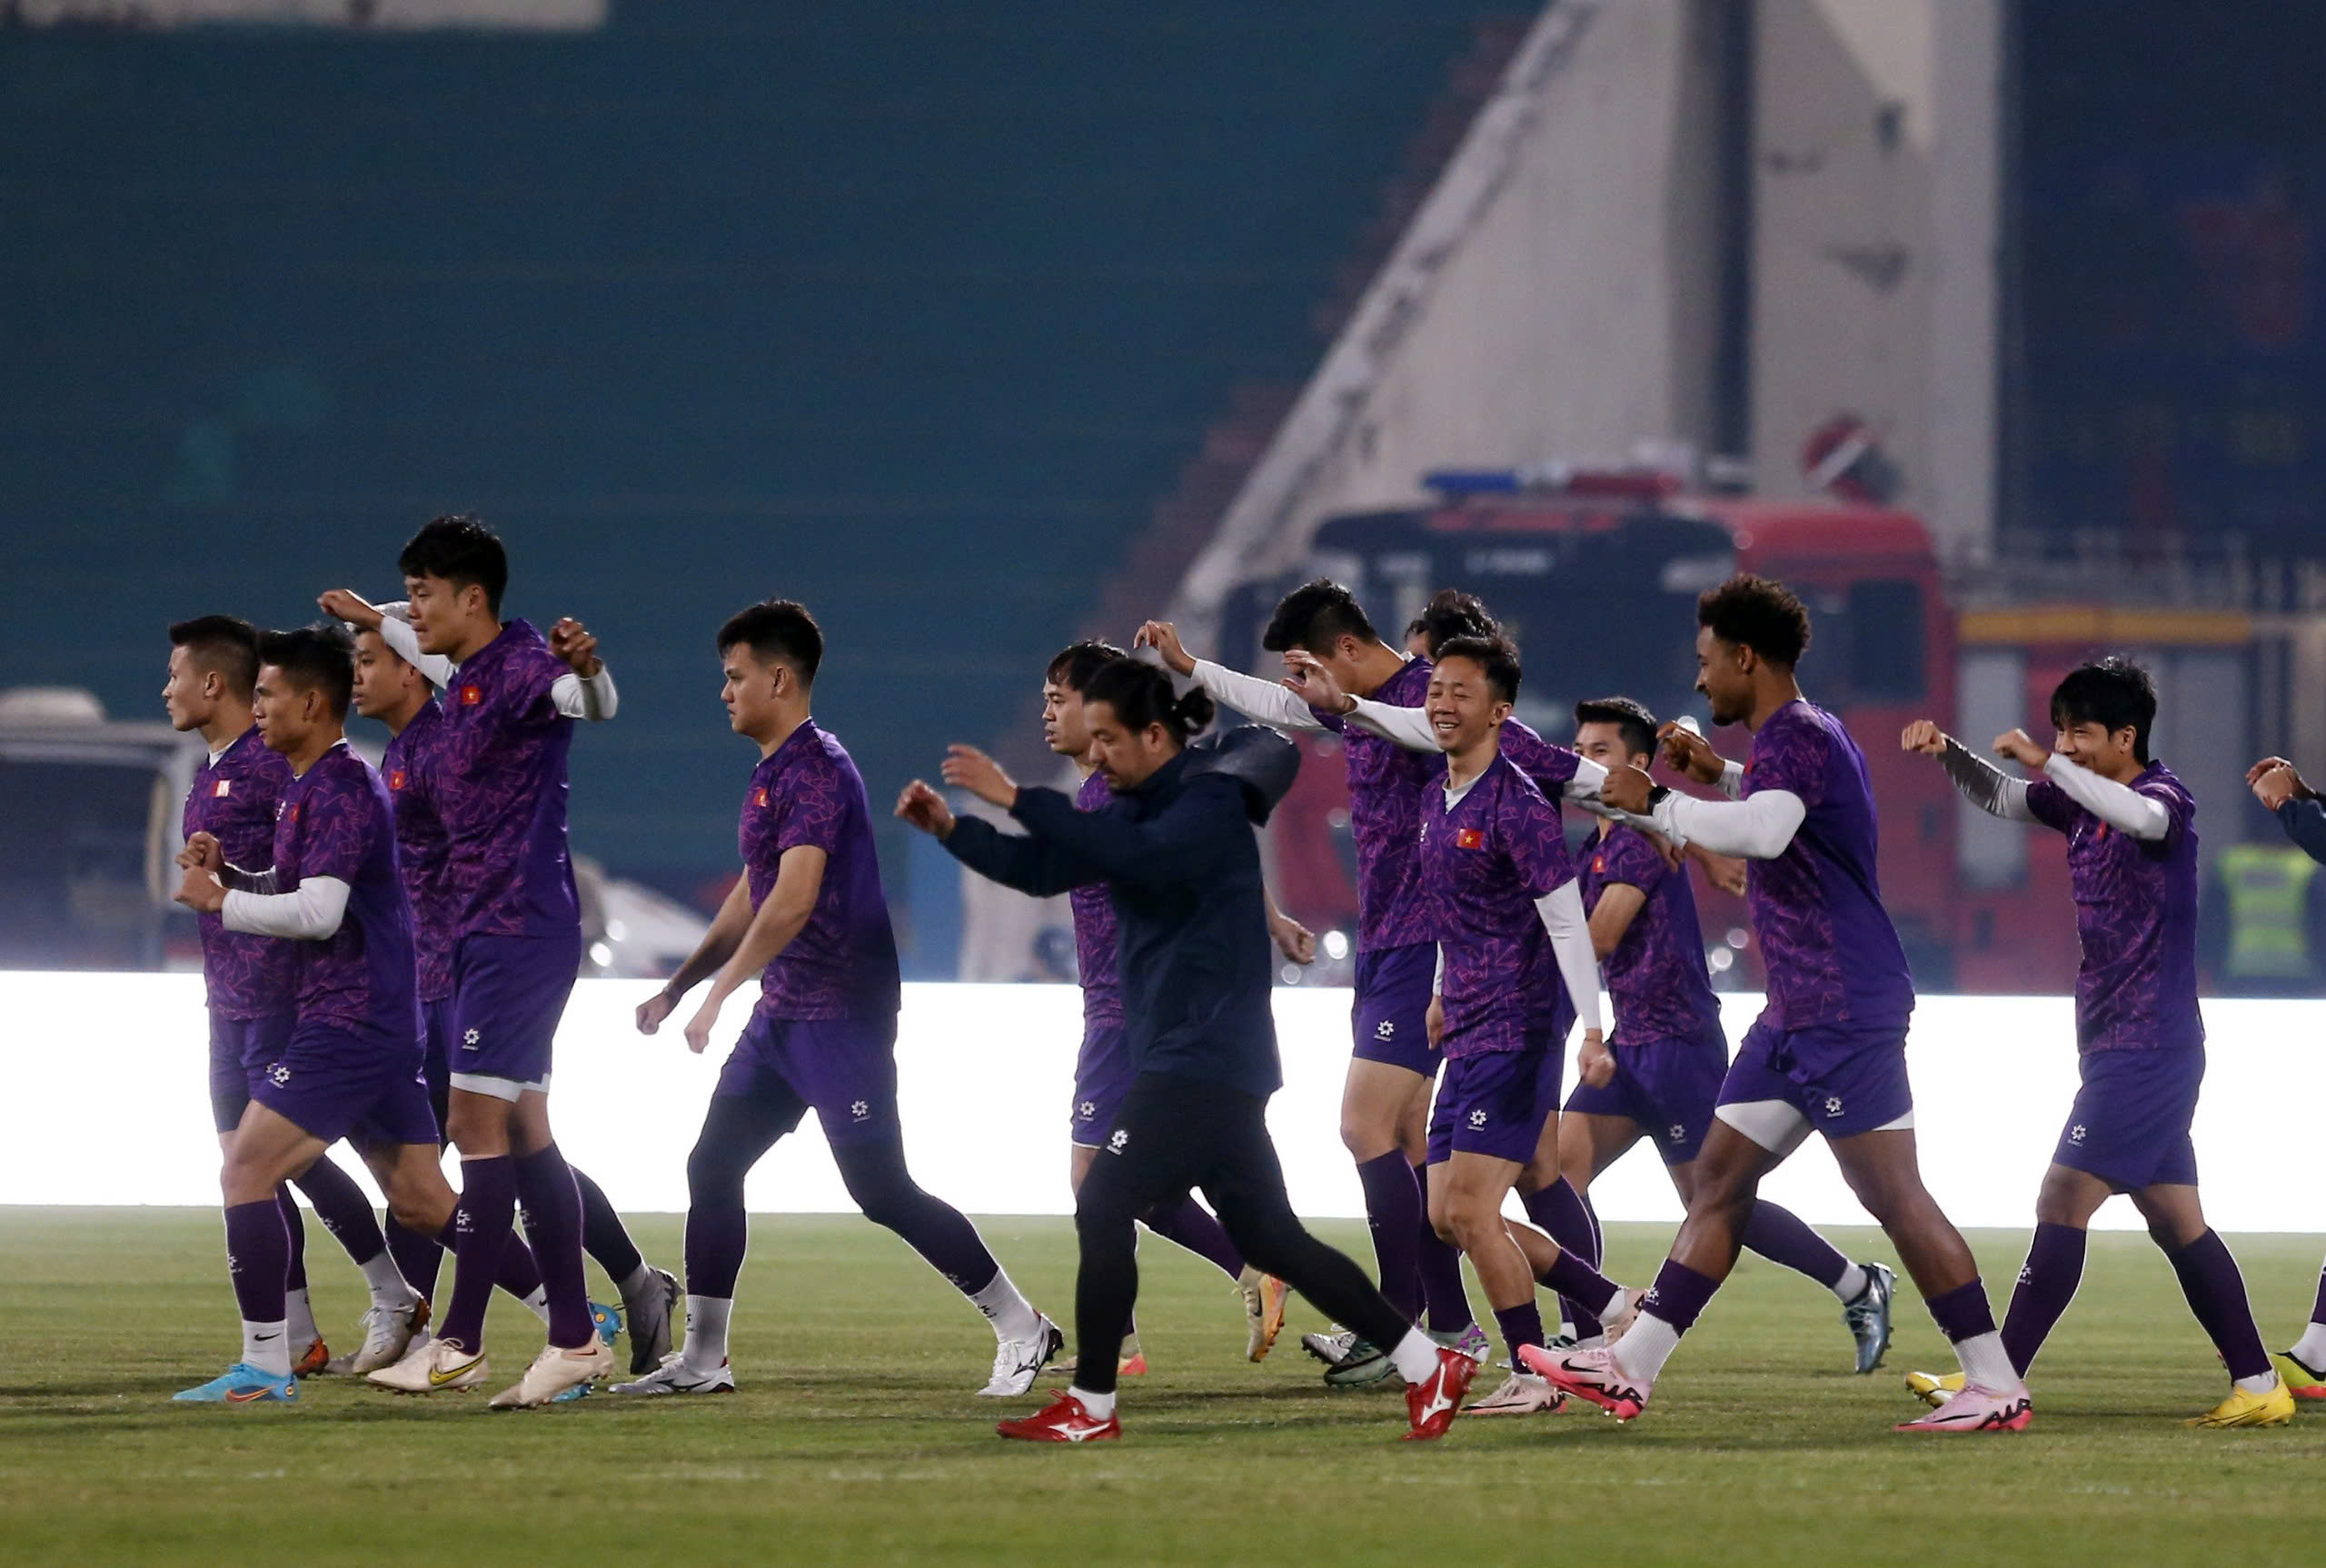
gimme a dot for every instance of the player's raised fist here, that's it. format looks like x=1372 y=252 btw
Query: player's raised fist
x=1307 y=678
x=201 y=890
x=1925 y=736
x=966 y=768
x=350 y=606
x=2020 y=748
x=654 y=1010
x=1164 y=637
x=1686 y=752
x=925 y=808
x=2273 y=786
x=705 y=1020
x=2267 y=764
x=574 y=644
x=1627 y=789
x=1726 y=872
x=202 y=850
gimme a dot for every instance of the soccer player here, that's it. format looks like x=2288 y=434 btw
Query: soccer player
x=1103 y=1069
x=214 y=665
x=1384 y=1100
x=500 y=785
x=350 y=1063
x=2281 y=790
x=2132 y=834
x=401 y=693
x=1659 y=1076
x=1176 y=850
x=1828 y=1053
x=809 y=921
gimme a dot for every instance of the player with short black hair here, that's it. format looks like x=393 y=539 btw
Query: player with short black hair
x=2132 y=834
x=808 y=920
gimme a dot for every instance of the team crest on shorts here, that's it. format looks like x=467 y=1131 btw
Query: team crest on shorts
x=469 y=1040
x=278 y=1075
x=1832 y=1104
x=1116 y=1139
x=1478 y=1119
x=1089 y=1107
x=858 y=1110
x=2075 y=1132
x=1386 y=1029
x=1677 y=1132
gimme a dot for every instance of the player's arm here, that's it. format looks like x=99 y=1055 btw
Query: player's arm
x=1978 y=781
x=310 y=912
x=782 y=915
x=2120 y=806
x=1619 y=905
x=1030 y=865
x=1293 y=940
x=395 y=631
x=718 y=945
x=1561 y=911
x=1247 y=694
x=1758 y=828
x=586 y=691
x=1687 y=752
x=2280 y=789
x=1182 y=844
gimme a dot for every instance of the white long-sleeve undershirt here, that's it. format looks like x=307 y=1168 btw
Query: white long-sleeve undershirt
x=2120 y=806
x=1265 y=700
x=1758 y=828
x=575 y=696
x=1570 y=930
x=1986 y=786
x=1409 y=730
x=310 y=912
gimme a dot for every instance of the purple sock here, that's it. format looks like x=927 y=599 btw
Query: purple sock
x=519 y=1275
x=416 y=1257
x=1571 y=1276
x=1393 y=1209
x=258 y=1255
x=1560 y=1211
x=2216 y=1293
x=1963 y=1313
x=1783 y=1237
x=1679 y=1296
x=1519 y=1325
x=294 y=1234
x=716 y=1237
x=1439 y=1262
x=481 y=1231
x=346 y=1212
x=1193 y=1227
x=552 y=1207
x=604 y=1236
x=2047 y=1283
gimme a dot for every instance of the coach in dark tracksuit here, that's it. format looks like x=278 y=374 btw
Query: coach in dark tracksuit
x=1176 y=851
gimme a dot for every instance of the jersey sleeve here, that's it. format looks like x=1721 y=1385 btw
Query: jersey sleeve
x=2180 y=810
x=1551 y=766
x=335 y=827
x=1632 y=859
x=1529 y=828
x=2050 y=805
x=813 y=808
x=1794 y=755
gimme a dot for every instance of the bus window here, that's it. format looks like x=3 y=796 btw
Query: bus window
x=1886 y=641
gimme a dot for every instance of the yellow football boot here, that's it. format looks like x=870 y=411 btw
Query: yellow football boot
x=2274 y=1408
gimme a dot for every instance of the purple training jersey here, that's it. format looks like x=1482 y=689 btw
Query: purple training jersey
x=336 y=821
x=1094 y=931
x=1485 y=859
x=1551 y=766
x=1831 y=953
x=1657 y=975
x=234 y=799
x=1387 y=784
x=2135 y=917
x=422 y=848
x=499 y=787
x=843 y=963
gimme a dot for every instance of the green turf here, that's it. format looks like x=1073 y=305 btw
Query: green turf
x=855 y=1438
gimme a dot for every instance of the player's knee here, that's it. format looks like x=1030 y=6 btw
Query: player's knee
x=1364 y=1135
x=1889 y=1195
x=713 y=1176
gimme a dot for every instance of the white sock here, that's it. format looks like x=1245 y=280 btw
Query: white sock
x=1851 y=1286
x=1011 y=1314
x=389 y=1288
x=2258 y=1384
x=1984 y=1364
x=1099 y=1406
x=267 y=1347
x=538 y=1303
x=1415 y=1356
x=705 y=1349
x=301 y=1318
x=640 y=1281
x=1642 y=1351
x=2310 y=1348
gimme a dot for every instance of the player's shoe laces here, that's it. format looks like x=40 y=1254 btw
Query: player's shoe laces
x=1589 y=1374
x=1332 y=1346
x=1018 y=1361
x=388 y=1333
x=1365 y=1363
x=2302 y=1382
x=1062 y=1420
x=1264 y=1296
x=315 y=1358
x=1934 y=1388
x=2274 y=1408
x=1867 y=1316
x=650 y=1316
x=431 y=1366
x=1521 y=1394
x=1976 y=1409
x=607 y=1322
x=1431 y=1404
x=1471 y=1342
x=674 y=1376
x=241 y=1383
x=554 y=1371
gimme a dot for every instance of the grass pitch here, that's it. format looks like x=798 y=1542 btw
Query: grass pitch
x=855 y=1437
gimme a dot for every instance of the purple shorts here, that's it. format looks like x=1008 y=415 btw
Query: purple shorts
x=845 y=1070
x=1668 y=1088
x=333 y=1086
x=2130 y=1125
x=1391 y=1018
x=1102 y=1076
x=1846 y=1079
x=240 y=1049
x=508 y=995
x=435 y=1053
x=1496 y=1103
